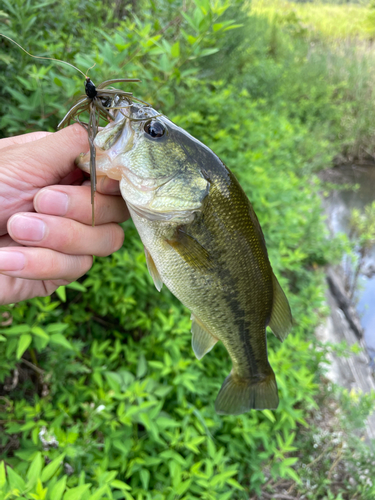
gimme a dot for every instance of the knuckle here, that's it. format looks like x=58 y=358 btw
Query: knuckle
x=70 y=236
x=117 y=237
x=114 y=238
x=71 y=267
x=56 y=266
x=86 y=264
x=79 y=132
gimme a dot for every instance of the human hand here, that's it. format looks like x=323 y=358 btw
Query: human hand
x=46 y=238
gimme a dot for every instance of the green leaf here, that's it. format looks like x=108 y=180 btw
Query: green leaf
x=39 y=490
x=293 y=474
x=39 y=332
x=175 y=51
x=23 y=343
x=59 y=339
x=34 y=470
x=77 y=286
x=235 y=484
x=77 y=492
x=269 y=415
x=3 y=478
x=120 y=485
x=2 y=338
x=207 y=52
x=114 y=381
x=183 y=487
x=61 y=293
x=97 y=377
x=97 y=495
x=59 y=488
x=109 y=476
x=145 y=478
x=233 y=27
x=15 y=481
x=57 y=327
x=142 y=366
x=192 y=39
x=287 y=462
x=16 y=329
x=52 y=467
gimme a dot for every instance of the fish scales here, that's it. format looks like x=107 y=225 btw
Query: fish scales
x=203 y=240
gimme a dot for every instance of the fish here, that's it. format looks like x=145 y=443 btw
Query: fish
x=202 y=239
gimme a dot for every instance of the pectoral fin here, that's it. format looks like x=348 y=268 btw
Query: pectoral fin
x=202 y=341
x=281 y=316
x=158 y=282
x=191 y=251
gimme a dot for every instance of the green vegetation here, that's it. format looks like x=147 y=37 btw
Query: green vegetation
x=101 y=395
x=325 y=69
x=327 y=20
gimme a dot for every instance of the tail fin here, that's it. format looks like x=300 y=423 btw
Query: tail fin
x=239 y=395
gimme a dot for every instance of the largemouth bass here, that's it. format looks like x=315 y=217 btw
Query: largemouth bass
x=202 y=239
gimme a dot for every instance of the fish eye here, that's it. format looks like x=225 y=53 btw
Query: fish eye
x=154 y=129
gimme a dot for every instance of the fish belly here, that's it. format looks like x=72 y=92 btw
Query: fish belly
x=235 y=320
x=213 y=299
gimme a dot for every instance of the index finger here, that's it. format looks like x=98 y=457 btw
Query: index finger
x=22 y=139
x=50 y=158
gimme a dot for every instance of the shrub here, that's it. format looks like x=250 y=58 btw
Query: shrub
x=102 y=397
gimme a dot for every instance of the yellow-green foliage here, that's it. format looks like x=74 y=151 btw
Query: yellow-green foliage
x=330 y=21
x=106 y=371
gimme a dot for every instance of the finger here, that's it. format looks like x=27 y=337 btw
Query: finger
x=6 y=241
x=65 y=235
x=16 y=289
x=22 y=139
x=42 y=264
x=50 y=158
x=105 y=185
x=75 y=178
x=74 y=202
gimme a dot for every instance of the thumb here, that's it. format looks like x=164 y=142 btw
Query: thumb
x=46 y=161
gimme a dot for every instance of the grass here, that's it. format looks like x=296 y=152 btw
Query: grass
x=339 y=51
x=330 y=21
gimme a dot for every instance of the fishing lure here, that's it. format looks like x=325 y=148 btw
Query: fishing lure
x=100 y=102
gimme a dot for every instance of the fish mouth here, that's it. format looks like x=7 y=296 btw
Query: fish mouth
x=111 y=144
x=106 y=165
x=144 y=183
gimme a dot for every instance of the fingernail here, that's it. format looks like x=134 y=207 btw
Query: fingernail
x=49 y=201
x=27 y=228
x=11 y=261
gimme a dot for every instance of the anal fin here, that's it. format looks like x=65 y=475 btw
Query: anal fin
x=202 y=341
x=281 y=316
x=239 y=395
x=153 y=271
